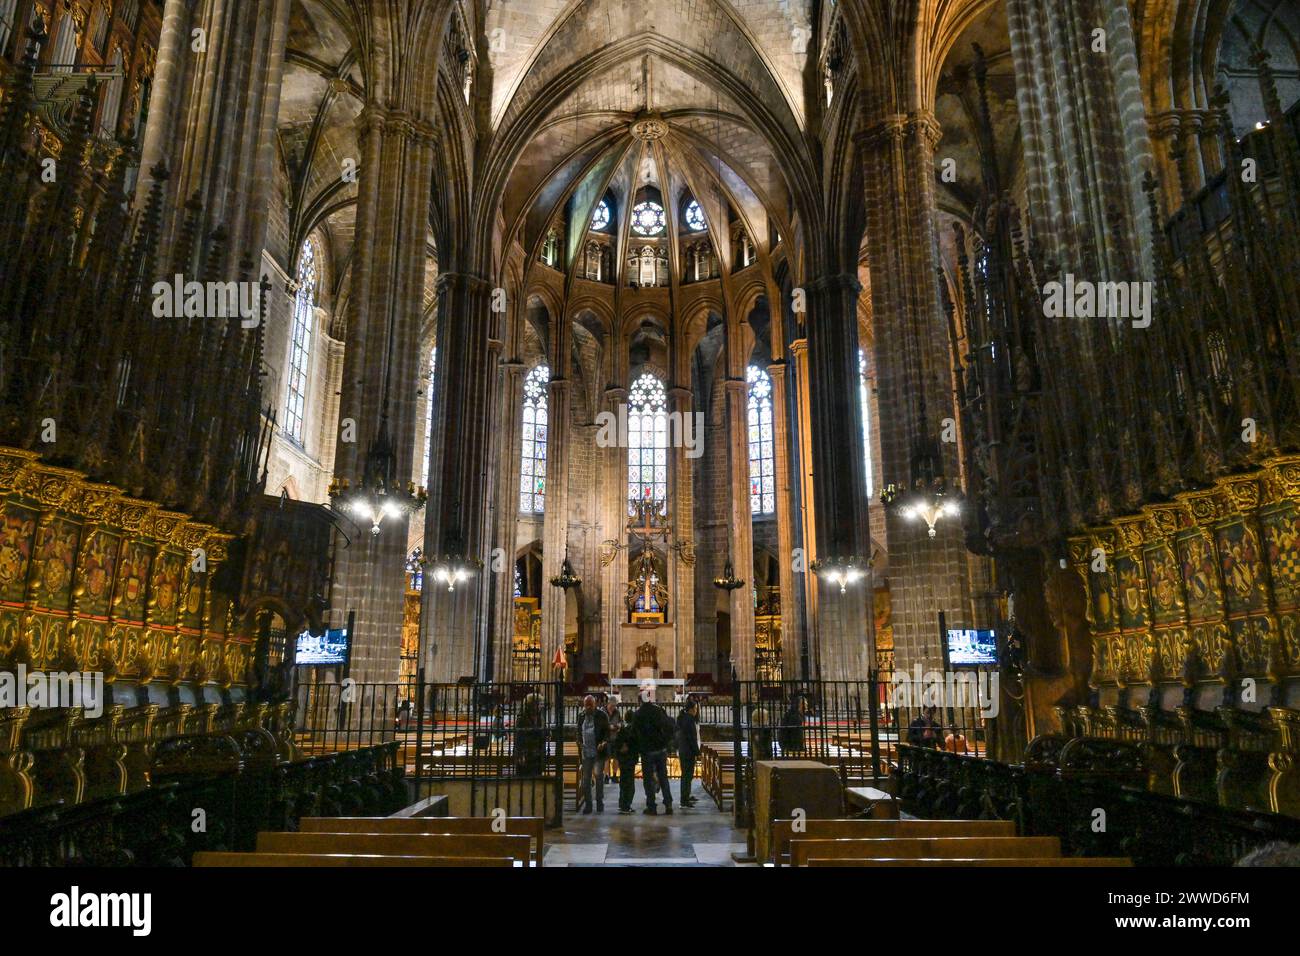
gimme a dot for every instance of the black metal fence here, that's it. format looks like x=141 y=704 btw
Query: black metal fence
x=845 y=724
x=857 y=725
x=504 y=741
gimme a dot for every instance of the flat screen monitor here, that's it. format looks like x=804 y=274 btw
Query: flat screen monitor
x=329 y=648
x=966 y=646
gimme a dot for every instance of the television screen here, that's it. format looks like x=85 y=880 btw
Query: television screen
x=972 y=647
x=330 y=648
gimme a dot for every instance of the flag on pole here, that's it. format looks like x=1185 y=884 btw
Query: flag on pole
x=559 y=663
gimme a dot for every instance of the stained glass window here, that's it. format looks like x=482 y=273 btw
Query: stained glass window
x=647 y=218
x=428 y=415
x=300 y=343
x=695 y=217
x=600 y=218
x=762 y=460
x=532 y=479
x=864 y=398
x=647 y=440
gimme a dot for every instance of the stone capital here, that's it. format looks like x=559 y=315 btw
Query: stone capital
x=461 y=283
x=393 y=122
x=895 y=127
x=839 y=284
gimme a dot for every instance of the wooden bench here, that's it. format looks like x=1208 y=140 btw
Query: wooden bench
x=1067 y=861
x=209 y=859
x=853 y=829
x=431 y=806
x=877 y=803
x=967 y=848
x=399 y=844
x=532 y=827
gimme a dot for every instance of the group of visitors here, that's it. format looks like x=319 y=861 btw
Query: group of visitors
x=925 y=730
x=605 y=738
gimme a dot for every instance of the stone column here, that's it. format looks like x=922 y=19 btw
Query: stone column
x=1084 y=129
x=165 y=99
x=507 y=516
x=555 y=522
x=454 y=623
x=806 y=580
x=742 y=529
x=382 y=357
x=913 y=364
x=613 y=571
x=681 y=568
x=791 y=627
x=839 y=472
x=275 y=32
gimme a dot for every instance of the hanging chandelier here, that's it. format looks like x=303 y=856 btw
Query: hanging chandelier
x=841 y=571
x=728 y=581
x=930 y=496
x=566 y=579
x=927 y=503
x=377 y=496
x=454 y=567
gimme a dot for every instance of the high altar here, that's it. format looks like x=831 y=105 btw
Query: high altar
x=647 y=646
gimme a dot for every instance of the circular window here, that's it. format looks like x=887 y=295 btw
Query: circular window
x=600 y=218
x=695 y=217
x=647 y=218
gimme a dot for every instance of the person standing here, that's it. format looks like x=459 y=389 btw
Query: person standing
x=654 y=733
x=593 y=736
x=615 y=725
x=626 y=753
x=688 y=748
x=791 y=734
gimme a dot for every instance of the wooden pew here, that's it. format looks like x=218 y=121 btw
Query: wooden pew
x=532 y=827
x=855 y=829
x=877 y=804
x=1066 y=861
x=801 y=851
x=399 y=844
x=209 y=859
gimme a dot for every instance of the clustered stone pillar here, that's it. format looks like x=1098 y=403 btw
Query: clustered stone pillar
x=742 y=529
x=613 y=562
x=218 y=103
x=681 y=567
x=791 y=625
x=507 y=517
x=807 y=581
x=453 y=623
x=555 y=524
x=913 y=365
x=1084 y=129
x=382 y=357
x=839 y=474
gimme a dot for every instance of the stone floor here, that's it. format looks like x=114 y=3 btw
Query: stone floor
x=698 y=836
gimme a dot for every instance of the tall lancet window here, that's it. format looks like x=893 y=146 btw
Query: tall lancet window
x=304 y=305
x=864 y=398
x=428 y=415
x=647 y=440
x=532 y=477
x=762 y=460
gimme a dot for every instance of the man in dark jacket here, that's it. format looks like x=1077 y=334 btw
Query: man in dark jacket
x=654 y=733
x=688 y=747
x=593 y=745
x=626 y=752
x=790 y=735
